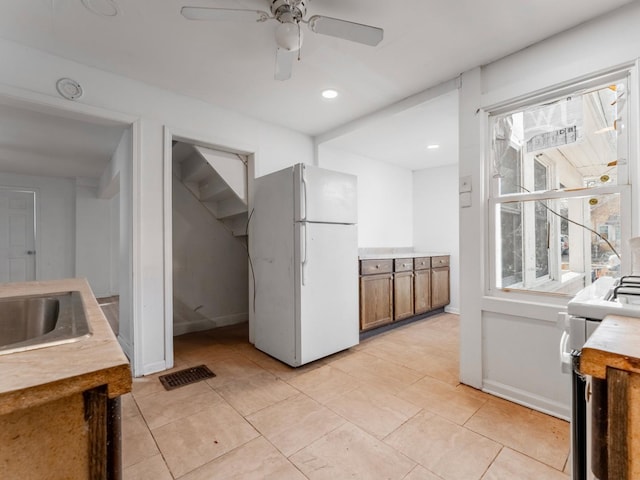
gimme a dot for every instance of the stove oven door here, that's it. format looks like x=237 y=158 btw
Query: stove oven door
x=576 y=331
x=579 y=416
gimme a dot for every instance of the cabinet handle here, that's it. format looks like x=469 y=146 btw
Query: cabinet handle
x=405 y=264
x=377 y=266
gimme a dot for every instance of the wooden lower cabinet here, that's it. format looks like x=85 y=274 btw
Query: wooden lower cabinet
x=376 y=300
x=439 y=287
x=422 y=291
x=402 y=295
x=76 y=436
x=392 y=290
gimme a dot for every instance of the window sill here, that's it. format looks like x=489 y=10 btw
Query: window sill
x=570 y=284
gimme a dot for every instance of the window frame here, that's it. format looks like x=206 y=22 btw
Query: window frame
x=623 y=187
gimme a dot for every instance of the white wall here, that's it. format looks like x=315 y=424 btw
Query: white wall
x=120 y=169
x=93 y=239
x=55 y=222
x=210 y=268
x=114 y=269
x=435 y=219
x=385 y=202
x=508 y=346
x=73 y=230
x=31 y=75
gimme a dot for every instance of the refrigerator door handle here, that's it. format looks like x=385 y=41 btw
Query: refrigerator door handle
x=303 y=199
x=303 y=248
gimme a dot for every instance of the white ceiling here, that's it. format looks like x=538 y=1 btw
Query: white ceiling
x=402 y=139
x=37 y=143
x=232 y=64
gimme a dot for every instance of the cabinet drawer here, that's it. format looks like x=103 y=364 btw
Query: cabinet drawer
x=440 y=261
x=422 y=263
x=371 y=267
x=403 y=264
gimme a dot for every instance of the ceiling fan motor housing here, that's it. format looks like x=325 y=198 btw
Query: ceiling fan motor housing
x=288 y=11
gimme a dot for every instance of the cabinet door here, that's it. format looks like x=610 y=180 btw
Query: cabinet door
x=422 y=291
x=402 y=295
x=376 y=300
x=439 y=287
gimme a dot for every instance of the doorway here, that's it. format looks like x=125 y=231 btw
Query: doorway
x=207 y=280
x=67 y=200
x=17 y=235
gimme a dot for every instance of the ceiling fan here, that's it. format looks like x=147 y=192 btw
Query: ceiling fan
x=290 y=14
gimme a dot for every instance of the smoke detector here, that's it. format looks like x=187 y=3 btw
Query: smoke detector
x=69 y=88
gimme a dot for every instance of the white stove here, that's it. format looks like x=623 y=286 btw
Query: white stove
x=605 y=296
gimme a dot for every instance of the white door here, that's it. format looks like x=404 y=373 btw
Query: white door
x=17 y=236
x=327 y=316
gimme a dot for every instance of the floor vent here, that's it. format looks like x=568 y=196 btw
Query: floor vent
x=186 y=377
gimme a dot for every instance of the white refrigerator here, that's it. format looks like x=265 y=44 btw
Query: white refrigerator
x=304 y=244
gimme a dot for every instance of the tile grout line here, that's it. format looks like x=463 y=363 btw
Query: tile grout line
x=154 y=440
x=492 y=461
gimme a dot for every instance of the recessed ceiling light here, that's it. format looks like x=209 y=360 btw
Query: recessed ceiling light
x=433 y=147
x=329 y=93
x=103 y=8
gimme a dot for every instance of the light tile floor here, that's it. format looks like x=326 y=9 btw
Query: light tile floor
x=390 y=408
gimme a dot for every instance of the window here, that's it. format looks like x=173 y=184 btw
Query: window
x=560 y=191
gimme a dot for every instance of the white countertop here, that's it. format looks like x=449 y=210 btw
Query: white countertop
x=387 y=256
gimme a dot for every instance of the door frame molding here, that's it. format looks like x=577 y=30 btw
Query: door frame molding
x=43 y=103
x=169 y=135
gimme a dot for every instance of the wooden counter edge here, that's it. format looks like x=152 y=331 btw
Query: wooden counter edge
x=615 y=344
x=117 y=379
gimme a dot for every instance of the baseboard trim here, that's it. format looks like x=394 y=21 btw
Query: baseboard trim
x=181 y=328
x=527 y=399
x=399 y=323
x=154 y=368
x=453 y=310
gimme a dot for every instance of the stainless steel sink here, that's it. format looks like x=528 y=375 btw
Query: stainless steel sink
x=38 y=321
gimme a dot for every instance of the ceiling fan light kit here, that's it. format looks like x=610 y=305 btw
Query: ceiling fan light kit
x=288 y=35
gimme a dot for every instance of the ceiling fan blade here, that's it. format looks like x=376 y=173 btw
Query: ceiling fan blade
x=231 y=14
x=284 y=63
x=355 y=32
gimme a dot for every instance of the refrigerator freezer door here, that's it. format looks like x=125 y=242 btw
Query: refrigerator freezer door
x=325 y=196
x=327 y=284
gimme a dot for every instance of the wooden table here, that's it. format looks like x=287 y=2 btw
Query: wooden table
x=612 y=357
